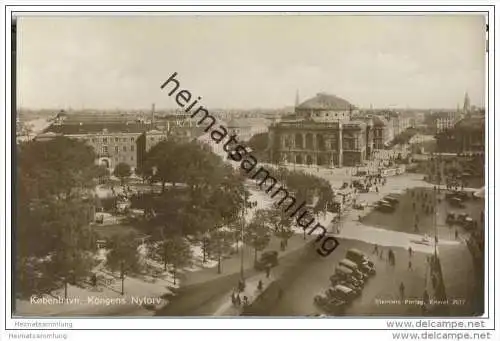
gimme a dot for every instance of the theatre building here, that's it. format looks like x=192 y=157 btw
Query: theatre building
x=322 y=132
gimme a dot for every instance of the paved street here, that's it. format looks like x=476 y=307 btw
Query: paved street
x=313 y=277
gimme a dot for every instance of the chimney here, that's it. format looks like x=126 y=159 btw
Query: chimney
x=153 y=114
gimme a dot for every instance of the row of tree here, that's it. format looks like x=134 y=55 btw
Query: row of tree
x=54 y=244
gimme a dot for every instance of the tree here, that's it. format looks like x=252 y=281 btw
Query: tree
x=218 y=245
x=281 y=224
x=123 y=254
x=54 y=243
x=258 y=233
x=177 y=251
x=122 y=171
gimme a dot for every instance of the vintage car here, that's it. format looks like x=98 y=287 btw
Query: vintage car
x=451 y=218
x=345 y=275
x=361 y=260
x=392 y=200
x=456 y=202
x=267 y=259
x=329 y=304
x=341 y=293
x=354 y=267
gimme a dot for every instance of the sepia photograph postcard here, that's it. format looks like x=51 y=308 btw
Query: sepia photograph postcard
x=293 y=164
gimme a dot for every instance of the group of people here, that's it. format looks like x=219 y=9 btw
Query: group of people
x=391 y=257
x=422 y=202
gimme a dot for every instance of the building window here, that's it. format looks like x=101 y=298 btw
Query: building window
x=116 y=149
x=132 y=148
x=132 y=139
x=94 y=140
x=116 y=139
x=124 y=148
x=124 y=139
x=105 y=140
x=131 y=158
x=104 y=149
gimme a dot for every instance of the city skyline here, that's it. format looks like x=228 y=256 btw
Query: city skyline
x=251 y=61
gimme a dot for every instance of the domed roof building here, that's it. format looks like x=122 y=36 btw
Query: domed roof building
x=324 y=101
x=321 y=133
x=325 y=107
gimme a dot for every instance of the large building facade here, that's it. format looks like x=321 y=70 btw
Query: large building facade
x=321 y=133
x=113 y=143
x=467 y=136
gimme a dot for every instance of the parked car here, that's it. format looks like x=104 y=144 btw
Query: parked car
x=456 y=202
x=267 y=259
x=329 y=304
x=342 y=293
x=354 y=267
x=451 y=218
x=385 y=208
x=357 y=288
x=361 y=260
x=392 y=200
x=345 y=274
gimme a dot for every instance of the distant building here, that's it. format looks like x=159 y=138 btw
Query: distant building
x=466 y=137
x=113 y=143
x=444 y=120
x=321 y=133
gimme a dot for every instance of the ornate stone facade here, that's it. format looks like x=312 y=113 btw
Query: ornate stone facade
x=321 y=135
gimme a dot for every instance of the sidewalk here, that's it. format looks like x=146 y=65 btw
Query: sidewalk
x=251 y=291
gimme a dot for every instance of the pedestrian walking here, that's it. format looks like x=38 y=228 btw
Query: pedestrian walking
x=238 y=300
x=268 y=271
x=259 y=286
x=409 y=265
x=233 y=299
x=410 y=251
x=245 y=300
x=381 y=254
x=375 y=249
x=402 y=290
x=456 y=234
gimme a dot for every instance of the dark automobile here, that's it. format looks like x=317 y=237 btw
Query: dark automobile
x=392 y=200
x=385 y=207
x=345 y=274
x=451 y=218
x=267 y=259
x=336 y=280
x=456 y=202
x=361 y=260
x=342 y=293
x=354 y=267
x=329 y=304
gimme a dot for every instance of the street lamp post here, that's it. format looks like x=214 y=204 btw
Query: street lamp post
x=242 y=268
x=122 y=275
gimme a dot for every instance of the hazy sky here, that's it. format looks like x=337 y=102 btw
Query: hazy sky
x=250 y=61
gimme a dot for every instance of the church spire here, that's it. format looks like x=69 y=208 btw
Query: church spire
x=466 y=102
